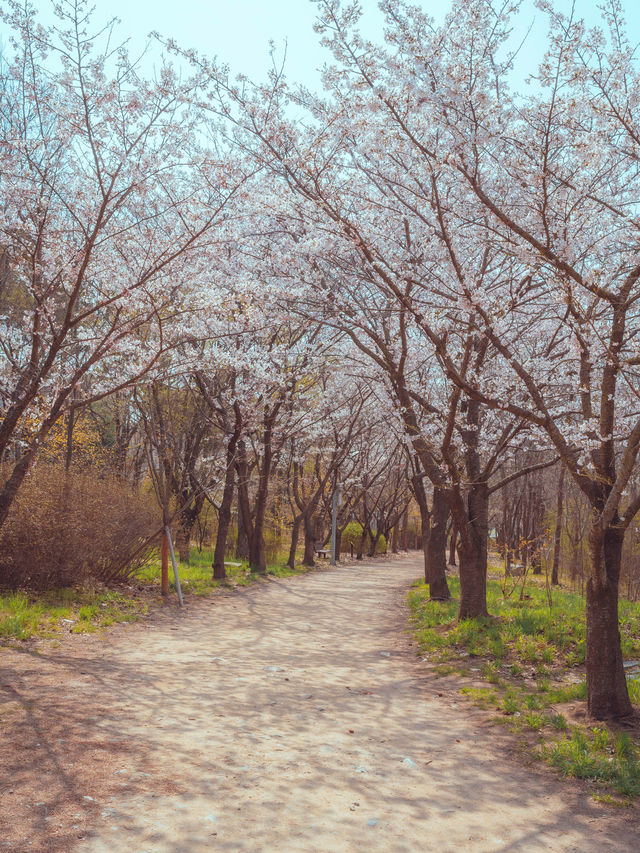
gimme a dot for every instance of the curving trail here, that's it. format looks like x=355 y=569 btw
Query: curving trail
x=288 y=716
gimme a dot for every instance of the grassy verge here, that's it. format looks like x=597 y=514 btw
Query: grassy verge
x=25 y=615
x=196 y=576
x=525 y=663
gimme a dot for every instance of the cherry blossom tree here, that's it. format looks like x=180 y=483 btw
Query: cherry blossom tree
x=549 y=182
x=112 y=213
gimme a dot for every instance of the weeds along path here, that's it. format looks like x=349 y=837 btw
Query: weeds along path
x=292 y=715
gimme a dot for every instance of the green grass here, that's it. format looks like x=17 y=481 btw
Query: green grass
x=196 y=576
x=78 y=610
x=599 y=756
x=525 y=633
x=27 y=615
x=533 y=655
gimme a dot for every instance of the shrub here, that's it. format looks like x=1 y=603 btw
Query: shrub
x=67 y=527
x=353 y=533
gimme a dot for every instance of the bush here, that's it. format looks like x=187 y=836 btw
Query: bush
x=353 y=533
x=65 y=528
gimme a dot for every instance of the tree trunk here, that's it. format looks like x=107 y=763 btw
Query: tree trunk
x=309 y=542
x=242 y=542
x=361 y=544
x=373 y=543
x=472 y=552
x=295 y=535
x=558 y=530
x=473 y=582
x=436 y=549
x=186 y=522
x=12 y=484
x=257 y=554
x=224 y=515
x=394 y=539
x=417 y=486
x=244 y=510
x=183 y=543
x=607 y=694
x=164 y=564
x=339 y=532
x=452 y=545
x=536 y=562
x=403 y=533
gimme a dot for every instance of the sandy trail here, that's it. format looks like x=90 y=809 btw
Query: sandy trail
x=288 y=716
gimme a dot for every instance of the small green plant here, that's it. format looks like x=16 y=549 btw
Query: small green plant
x=510 y=703
x=534 y=721
x=559 y=722
x=546 y=655
x=543 y=685
x=490 y=672
x=532 y=702
x=485 y=697
x=600 y=738
x=608 y=800
x=625 y=749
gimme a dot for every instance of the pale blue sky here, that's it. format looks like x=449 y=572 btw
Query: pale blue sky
x=238 y=31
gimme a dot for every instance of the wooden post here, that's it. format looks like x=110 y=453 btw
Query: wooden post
x=164 y=564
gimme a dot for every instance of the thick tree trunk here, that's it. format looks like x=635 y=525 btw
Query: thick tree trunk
x=257 y=554
x=244 y=510
x=556 y=538
x=472 y=552
x=436 y=549
x=473 y=581
x=607 y=694
x=242 y=542
x=433 y=529
x=295 y=535
x=224 y=515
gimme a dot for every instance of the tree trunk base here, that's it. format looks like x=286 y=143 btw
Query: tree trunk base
x=473 y=585
x=219 y=572
x=607 y=694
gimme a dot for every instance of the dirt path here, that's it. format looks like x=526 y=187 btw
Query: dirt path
x=288 y=716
